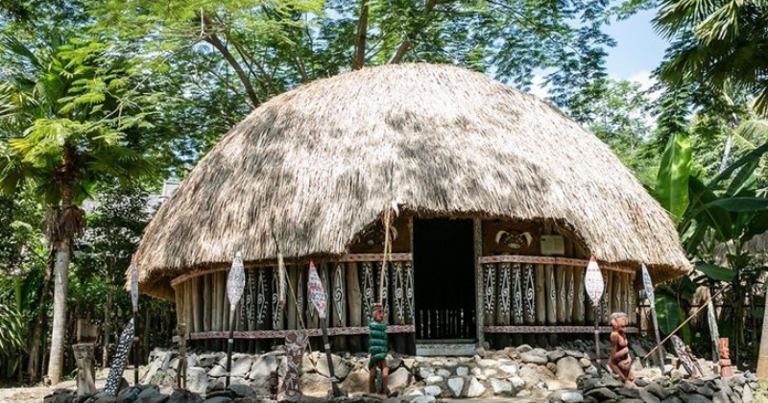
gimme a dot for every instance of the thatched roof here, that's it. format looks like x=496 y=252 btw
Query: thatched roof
x=318 y=164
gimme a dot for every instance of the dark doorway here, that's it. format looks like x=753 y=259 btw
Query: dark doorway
x=443 y=254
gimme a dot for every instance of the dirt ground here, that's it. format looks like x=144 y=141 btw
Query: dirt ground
x=35 y=394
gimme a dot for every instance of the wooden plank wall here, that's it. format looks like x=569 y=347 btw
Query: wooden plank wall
x=352 y=287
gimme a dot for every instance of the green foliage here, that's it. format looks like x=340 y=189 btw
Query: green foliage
x=717 y=42
x=674 y=171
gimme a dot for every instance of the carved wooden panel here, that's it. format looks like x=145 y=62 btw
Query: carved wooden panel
x=383 y=275
x=262 y=300
x=339 y=295
x=371 y=239
x=503 y=300
x=511 y=238
x=517 y=293
x=489 y=292
x=277 y=312
x=409 y=293
x=368 y=298
x=398 y=294
x=530 y=294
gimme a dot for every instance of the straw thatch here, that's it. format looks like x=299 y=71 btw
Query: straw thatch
x=318 y=164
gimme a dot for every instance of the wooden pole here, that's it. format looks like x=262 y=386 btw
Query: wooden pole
x=327 y=347
x=230 y=341
x=597 y=341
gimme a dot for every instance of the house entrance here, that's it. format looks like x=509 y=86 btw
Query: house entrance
x=444 y=270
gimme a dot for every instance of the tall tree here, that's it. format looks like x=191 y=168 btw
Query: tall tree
x=75 y=113
x=716 y=42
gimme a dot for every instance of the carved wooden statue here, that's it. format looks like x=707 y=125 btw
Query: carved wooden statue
x=295 y=344
x=725 y=358
x=620 y=361
x=378 y=348
x=181 y=371
x=83 y=353
x=686 y=358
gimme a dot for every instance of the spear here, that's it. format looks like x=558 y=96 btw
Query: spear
x=594 y=285
x=648 y=286
x=235 y=288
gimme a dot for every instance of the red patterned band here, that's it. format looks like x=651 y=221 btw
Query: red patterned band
x=276 y=334
x=551 y=329
x=564 y=261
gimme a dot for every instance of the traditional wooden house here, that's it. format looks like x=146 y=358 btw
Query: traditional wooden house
x=501 y=200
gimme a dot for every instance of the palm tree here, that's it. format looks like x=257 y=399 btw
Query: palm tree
x=69 y=119
x=715 y=41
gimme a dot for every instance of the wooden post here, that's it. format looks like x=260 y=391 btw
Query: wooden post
x=517 y=294
x=339 y=306
x=561 y=298
x=541 y=295
x=207 y=295
x=530 y=298
x=355 y=304
x=83 y=353
x=489 y=294
x=291 y=314
x=578 y=289
x=477 y=228
x=551 y=290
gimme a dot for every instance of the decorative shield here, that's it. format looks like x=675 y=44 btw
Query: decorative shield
x=316 y=291
x=648 y=286
x=118 y=360
x=236 y=281
x=593 y=282
x=134 y=284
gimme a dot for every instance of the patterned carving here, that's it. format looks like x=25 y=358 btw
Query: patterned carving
x=518 y=294
x=397 y=274
x=250 y=299
x=409 y=292
x=276 y=334
x=604 y=301
x=552 y=308
x=261 y=299
x=118 y=361
x=489 y=295
x=504 y=301
x=561 y=291
x=556 y=260
x=277 y=316
x=552 y=329
x=530 y=294
x=338 y=291
x=300 y=294
x=295 y=344
x=570 y=294
x=384 y=287
x=367 y=289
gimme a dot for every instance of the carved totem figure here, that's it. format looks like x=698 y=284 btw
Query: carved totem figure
x=83 y=353
x=295 y=344
x=686 y=357
x=725 y=358
x=620 y=361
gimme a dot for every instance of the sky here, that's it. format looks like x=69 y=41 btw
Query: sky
x=638 y=51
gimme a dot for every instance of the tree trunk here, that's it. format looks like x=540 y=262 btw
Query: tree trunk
x=105 y=353
x=36 y=342
x=362 y=32
x=58 y=331
x=762 y=361
x=55 y=364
